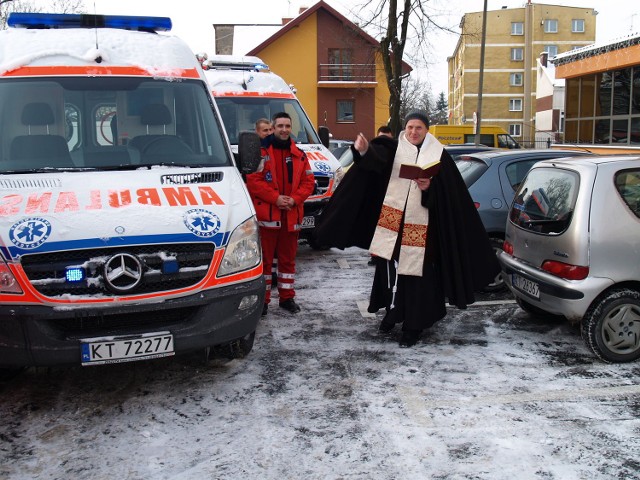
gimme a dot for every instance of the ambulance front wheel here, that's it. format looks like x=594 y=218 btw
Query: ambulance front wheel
x=315 y=245
x=239 y=348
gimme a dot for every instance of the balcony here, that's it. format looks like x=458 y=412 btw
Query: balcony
x=347 y=74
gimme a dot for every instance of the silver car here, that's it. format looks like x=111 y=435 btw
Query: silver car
x=572 y=248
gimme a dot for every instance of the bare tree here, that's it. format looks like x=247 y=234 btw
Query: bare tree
x=30 y=6
x=416 y=95
x=400 y=24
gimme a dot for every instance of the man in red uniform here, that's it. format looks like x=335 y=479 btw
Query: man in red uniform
x=278 y=192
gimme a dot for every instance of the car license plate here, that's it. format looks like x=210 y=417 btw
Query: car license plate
x=308 y=222
x=525 y=285
x=98 y=351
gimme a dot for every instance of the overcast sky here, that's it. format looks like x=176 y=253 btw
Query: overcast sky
x=193 y=19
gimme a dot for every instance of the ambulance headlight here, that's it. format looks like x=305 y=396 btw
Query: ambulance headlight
x=8 y=283
x=243 y=250
x=337 y=178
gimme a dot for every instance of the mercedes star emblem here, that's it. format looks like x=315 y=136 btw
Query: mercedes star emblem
x=122 y=272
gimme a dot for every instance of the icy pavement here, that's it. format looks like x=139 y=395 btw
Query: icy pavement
x=489 y=393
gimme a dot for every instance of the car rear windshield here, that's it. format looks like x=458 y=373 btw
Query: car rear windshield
x=470 y=168
x=545 y=201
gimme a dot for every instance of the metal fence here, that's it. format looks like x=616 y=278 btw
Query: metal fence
x=538 y=144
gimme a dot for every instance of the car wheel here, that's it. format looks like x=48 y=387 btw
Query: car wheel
x=611 y=326
x=498 y=284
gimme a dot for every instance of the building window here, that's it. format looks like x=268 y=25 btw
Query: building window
x=577 y=25
x=550 y=26
x=340 y=64
x=345 y=111
x=515 y=105
x=516 y=54
x=515 y=79
x=552 y=50
x=517 y=28
x=515 y=130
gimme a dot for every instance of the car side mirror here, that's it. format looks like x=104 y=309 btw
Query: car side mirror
x=324 y=136
x=248 y=157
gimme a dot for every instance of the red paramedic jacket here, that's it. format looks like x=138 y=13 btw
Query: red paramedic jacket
x=276 y=178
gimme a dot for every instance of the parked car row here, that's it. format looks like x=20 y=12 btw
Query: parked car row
x=492 y=177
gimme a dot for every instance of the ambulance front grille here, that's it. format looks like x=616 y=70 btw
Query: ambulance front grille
x=163 y=267
x=322 y=186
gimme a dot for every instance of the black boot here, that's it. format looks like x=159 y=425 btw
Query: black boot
x=388 y=322
x=290 y=305
x=409 y=338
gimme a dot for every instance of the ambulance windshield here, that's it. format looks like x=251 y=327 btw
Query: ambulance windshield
x=241 y=113
x=107 y=123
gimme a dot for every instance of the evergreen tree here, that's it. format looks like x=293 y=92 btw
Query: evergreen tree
x=440 y=115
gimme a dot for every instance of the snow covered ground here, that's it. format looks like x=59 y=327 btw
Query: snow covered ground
x=489 y=393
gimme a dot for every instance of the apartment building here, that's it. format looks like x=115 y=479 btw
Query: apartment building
x=514 y=40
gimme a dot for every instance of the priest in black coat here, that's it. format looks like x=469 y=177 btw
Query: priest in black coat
x=425 y=234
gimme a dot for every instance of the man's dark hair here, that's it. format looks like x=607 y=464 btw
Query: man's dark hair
x=385 y=129
x=280 y=115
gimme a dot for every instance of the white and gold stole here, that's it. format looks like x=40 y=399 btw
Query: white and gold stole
x=403 y=195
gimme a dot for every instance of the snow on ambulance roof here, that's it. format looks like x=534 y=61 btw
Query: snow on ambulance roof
x=238 y=75
x=157 y=54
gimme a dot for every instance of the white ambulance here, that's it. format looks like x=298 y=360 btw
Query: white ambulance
x=245 y=91
x=126 y=231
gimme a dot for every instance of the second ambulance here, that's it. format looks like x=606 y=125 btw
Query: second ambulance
x=245 y=91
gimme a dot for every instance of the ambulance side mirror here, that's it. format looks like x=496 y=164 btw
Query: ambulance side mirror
x=248 y=152
x=324 y=136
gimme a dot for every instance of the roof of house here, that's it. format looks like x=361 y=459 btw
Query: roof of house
x=321 y=5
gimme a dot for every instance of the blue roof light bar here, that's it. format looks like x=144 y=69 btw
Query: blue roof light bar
x=63 y=20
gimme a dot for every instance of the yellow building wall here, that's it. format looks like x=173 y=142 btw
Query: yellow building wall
x=285 y=59
x=381 y=107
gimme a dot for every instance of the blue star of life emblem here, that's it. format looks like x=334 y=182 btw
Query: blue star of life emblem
x=323 y=167
x=202 y=222
x=30 y=233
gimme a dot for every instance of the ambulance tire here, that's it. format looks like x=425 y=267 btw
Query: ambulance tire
x=238 y=348
x=315 y=245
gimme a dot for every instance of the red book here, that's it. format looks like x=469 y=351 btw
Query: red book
x=413 y=171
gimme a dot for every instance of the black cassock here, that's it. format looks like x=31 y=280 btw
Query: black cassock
x=459 y=259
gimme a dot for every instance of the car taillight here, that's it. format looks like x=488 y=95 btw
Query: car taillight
x=477 y=204
x=564 y=270
x=507 y=247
